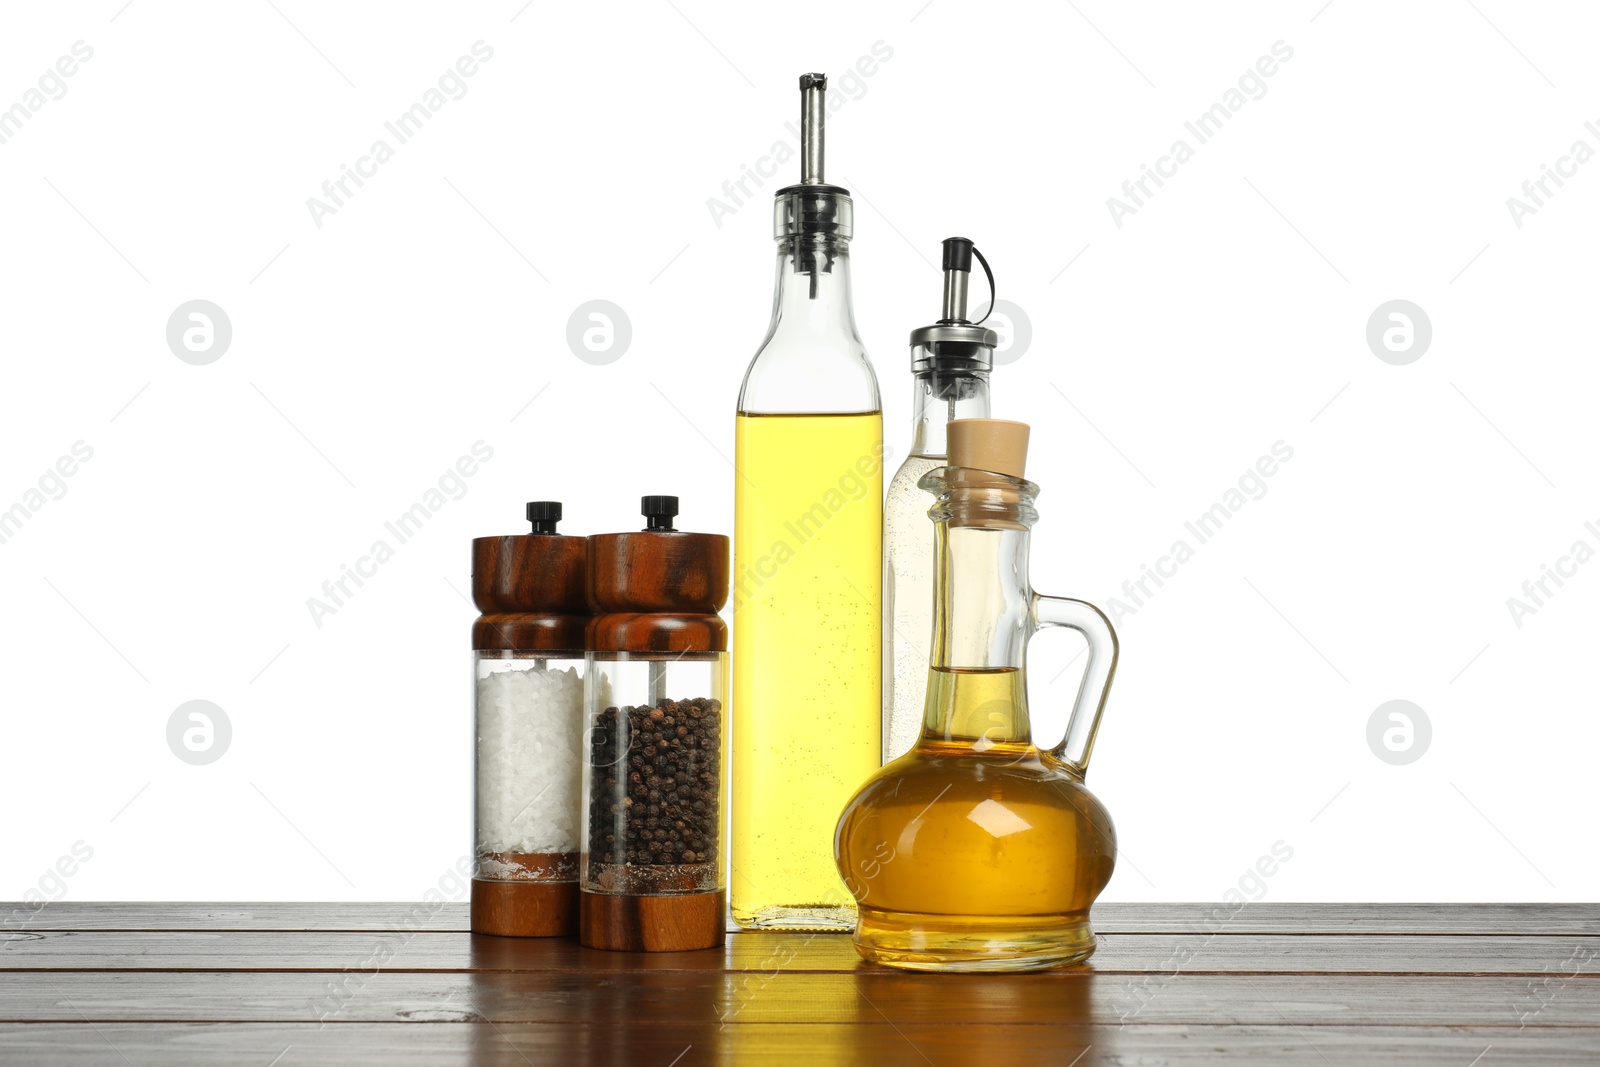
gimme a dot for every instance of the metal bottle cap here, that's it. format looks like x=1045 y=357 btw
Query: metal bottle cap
x=813 y=206
x=953 y=343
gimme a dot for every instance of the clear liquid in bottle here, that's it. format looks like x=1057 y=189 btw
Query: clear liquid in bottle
x=950 y=364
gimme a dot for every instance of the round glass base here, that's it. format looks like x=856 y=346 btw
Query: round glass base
x=821 y=918
x=993 y=943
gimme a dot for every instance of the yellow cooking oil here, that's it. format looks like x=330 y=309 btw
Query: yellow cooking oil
x=807 y=585
x=976 y=850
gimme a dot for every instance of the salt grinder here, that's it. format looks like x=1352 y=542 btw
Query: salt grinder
x=528 y=659
x=655 y=777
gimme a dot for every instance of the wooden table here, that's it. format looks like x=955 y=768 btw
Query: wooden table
x=294 y=984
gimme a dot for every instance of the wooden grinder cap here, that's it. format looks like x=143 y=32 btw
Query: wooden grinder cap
x=532 y=588
x=542 y=571
x=658 y=589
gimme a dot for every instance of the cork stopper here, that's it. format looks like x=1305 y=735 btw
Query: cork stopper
x=987 y=460
x=998 y=445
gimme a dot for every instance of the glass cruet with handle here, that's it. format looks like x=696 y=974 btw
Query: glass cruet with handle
x=978 y=850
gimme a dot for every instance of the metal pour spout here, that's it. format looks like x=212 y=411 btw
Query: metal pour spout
x=813 y=113
x=955 y=347
x=813 y=218
x=957 y=270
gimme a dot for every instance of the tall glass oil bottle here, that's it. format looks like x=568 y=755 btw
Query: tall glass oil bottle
x=977 y=850
x=808 y=509
x=950 y=365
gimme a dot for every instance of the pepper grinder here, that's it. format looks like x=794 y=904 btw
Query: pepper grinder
x=655 y=777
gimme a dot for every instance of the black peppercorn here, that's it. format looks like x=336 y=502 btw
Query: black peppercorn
x=670 y=756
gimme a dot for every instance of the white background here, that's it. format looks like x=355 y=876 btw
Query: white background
x=1167 y=355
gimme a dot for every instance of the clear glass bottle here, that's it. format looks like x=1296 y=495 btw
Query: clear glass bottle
x=950 y=365
x=807 y=587
x=977 y=850
x=528 y=657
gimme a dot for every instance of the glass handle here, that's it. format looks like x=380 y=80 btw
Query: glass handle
x=1092 y=623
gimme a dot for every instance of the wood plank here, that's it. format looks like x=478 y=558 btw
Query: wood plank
x=791 y=953
x=1109 y=917
x=655 y=998
x=775 y=1045
x=1271 y=917
x=255 y=915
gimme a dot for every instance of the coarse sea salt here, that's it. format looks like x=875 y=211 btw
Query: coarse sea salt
x=530 y=761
